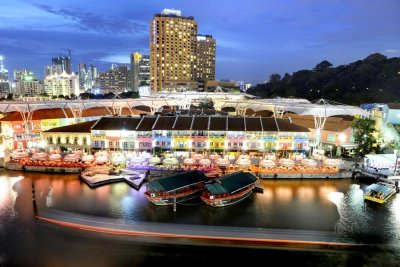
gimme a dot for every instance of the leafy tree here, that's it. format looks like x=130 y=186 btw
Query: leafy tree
x=363 y=130
x=373 y=79
x=323 y=65
x=275 y=78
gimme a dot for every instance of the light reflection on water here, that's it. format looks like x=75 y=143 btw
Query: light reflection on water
x=327 y=205
x=7 y=200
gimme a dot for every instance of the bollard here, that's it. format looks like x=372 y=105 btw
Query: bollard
x=34 y=199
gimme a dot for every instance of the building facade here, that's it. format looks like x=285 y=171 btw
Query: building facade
x=115 y=80
x=25 y=84
x=63 y=84
x=198 y=133
x=173 y=51
x=64 y=62
x=140 y=71
x=4 y=79
x=206 y=51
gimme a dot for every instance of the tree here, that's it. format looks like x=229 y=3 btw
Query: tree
x=323 y=65
x=275 y=78
x=363 y=133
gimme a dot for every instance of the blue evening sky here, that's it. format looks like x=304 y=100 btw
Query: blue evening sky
x=254 y=37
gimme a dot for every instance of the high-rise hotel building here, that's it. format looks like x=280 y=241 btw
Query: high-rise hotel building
x=174 y=52
x=206 y=46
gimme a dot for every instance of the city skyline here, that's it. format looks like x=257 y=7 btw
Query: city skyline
x=255 y=38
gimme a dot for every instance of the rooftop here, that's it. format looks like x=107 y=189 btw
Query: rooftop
x=332 y=124
x=177 y=181
x=58 y=113
x=231 y=183
x=197 y=123
x=83 y=127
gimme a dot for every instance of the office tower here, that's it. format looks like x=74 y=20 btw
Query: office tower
x=115 y=80
x=93 y=77
x=206 y=46
x=63 y=84
x=140 y=71
x=25 y=83
x=83 y=77
x=64 y=62
x=173 y=46
x=4 y=80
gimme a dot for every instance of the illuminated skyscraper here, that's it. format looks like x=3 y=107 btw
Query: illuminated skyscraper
x=25 y=84
x=115 y=80
x=140 y=71
x=173 y=46
x=206 y=47
x=4 y=80
x=64 y=62
x=179 y=57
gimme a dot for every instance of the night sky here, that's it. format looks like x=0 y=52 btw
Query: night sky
x=254 y=37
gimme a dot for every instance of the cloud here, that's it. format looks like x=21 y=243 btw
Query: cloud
x=98 y=23
x=392 y=51
x=116 y=58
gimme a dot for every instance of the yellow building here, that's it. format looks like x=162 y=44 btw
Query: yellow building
x=76 y=136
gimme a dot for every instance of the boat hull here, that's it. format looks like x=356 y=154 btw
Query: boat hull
x=380 y=197
x=223 y=202
x=166 y=200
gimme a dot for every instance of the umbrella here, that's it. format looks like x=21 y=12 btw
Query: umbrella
x=223 y=162
x=197 y=156
x=170 y=161
x=88 y=158
x=309 y=162
x=71 y=157
x=286 y=162
x=205 y=162
x=154 y=161
x=189 y=161
x=243 y=162
x=267 y=163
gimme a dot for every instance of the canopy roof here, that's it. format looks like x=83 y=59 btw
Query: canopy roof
x=177 y=181
x=320 y=108
x=231 y=183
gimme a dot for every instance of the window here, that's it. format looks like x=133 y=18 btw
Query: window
x=58 y=140
x=96 y=144
x=85 y=141
x=75 y=140
x=50 y=140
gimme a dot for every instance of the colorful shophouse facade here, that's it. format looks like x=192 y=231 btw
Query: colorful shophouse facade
x=198 y=133
x=19 y=134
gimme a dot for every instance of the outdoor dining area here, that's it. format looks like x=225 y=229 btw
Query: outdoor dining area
x=220 y=164
x=52 y=158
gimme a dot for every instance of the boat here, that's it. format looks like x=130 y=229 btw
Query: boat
x=176 y=188
x=229 y=189
x=379 y=192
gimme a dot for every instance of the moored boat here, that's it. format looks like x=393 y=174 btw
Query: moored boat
x=380 y=192
x=229 y=189
x=176 y=188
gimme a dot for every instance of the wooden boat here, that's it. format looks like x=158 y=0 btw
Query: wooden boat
x=379 y=192
x=229 y=189
x=176 y=188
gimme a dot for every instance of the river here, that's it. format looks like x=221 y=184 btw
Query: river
x=333 y=206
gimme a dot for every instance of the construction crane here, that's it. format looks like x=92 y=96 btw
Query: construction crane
x=69 y=52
